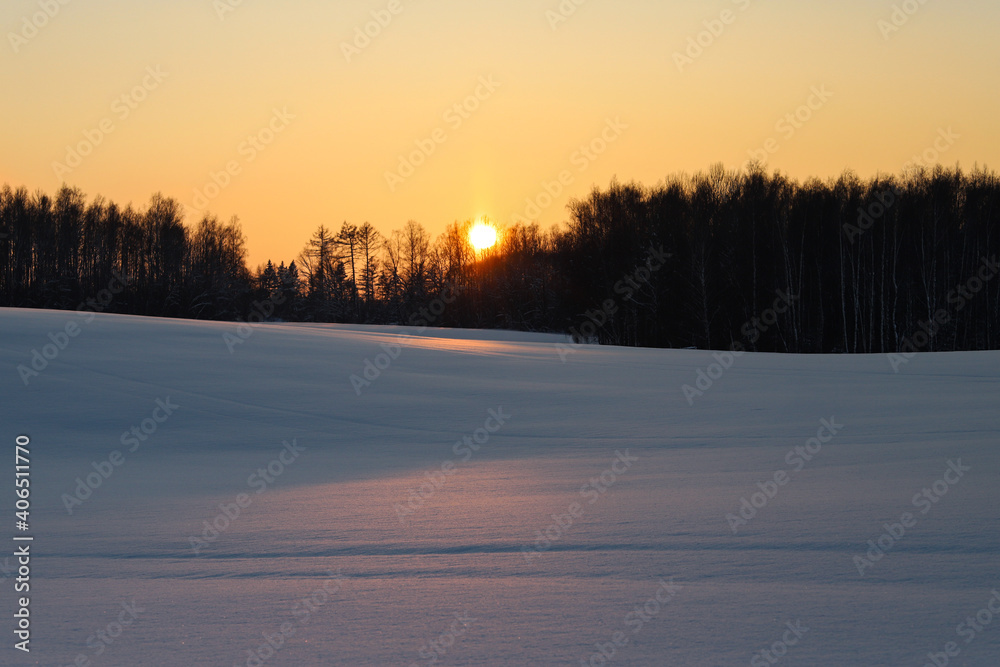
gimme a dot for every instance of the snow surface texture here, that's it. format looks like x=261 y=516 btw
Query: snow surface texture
x=386 y=538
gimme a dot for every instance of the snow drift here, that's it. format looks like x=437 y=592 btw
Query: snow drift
x=376 y=495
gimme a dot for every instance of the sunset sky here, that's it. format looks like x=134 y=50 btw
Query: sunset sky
x=534 y=88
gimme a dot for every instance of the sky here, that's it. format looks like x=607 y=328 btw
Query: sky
x=299 y=113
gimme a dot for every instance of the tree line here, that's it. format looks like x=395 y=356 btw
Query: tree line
x=715 y=260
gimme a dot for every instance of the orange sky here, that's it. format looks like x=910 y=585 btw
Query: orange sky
x=303 y=123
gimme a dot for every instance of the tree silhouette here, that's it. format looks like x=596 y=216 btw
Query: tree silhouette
x=865 y=265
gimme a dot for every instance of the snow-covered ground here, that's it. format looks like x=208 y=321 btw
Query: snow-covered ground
x=401 y=518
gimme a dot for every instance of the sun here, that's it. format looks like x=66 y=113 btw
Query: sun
x=483 y=236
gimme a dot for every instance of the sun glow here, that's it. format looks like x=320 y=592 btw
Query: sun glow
x=483 y=236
